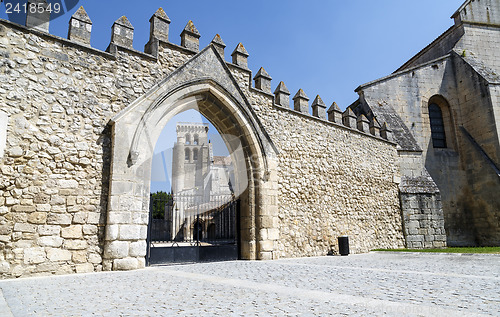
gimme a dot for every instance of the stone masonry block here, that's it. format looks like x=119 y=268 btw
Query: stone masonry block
x=112 y=232
x=37 y=218
x=95 y=258
x=117 y=250
x=34 y=255
x=125 y=264
x=84 y=268
x=75 y=244
x=130 y=232
x=4 y=267
x=72 y=232
x=21 y=208
x=119 y=218
x=58 y=219
x=262 y=235
x=80 y=217
x=139 y=218
x=266 y=222
x=79 y=256
x=5 y=229
x=50 y=241
x=273 y=234
x=24 y=227
x=56 y=255
x=49 y=230
x=138 y=248
x=90 y=230
x=265 y=256
x=415 y=238
x=266 y=245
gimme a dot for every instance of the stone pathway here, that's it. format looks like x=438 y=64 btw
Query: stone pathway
x=373 y=284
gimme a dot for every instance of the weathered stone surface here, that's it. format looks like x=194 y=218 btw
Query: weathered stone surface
x=59 y=219
x=49 y=230
x=79 y=256
x=50 y=241
x=37 y=217
x=34 y=255
x=125 y=264
x=75 y=244
x=130 y=232
x=4 y=267
x=117 y=250
x=72 y=232
x=56 y=255
x=24 y=227
x=137 y=249
x=84 y=268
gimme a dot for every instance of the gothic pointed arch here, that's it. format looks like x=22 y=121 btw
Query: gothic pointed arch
x=204 y=83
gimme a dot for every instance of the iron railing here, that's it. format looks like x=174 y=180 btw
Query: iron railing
x=192 y=220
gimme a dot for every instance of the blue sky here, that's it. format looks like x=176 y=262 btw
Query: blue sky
x=325 y=47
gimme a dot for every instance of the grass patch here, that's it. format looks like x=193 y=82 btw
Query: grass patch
x=485 y=250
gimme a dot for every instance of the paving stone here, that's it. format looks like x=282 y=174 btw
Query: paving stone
x=373 y=284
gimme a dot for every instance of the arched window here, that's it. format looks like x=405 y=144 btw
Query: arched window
x=437 y=126
x=186 y=154
x=195 y=139
x=195 y=154
x=188 y=139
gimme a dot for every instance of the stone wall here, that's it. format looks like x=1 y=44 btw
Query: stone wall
x=334 y=182
x=59 y=97
x=423 y=221
x=480 y=121
x=407 y=93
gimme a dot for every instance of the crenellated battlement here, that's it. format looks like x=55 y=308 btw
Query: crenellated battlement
x=122 y=37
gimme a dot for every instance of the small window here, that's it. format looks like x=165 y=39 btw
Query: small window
x=437 y=126
x=195 y=154
x=195 y=139
x=188 y=139
x=187 y=154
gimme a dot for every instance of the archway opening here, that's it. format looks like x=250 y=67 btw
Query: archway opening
x=135 y=132
x=196 y=183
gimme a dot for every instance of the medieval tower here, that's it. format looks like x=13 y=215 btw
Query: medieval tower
x=195 y=169
x=191 y=156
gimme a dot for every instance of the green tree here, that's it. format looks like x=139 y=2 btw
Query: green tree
x=160 y=200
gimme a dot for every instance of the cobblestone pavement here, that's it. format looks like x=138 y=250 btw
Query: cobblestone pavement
x=373 y=284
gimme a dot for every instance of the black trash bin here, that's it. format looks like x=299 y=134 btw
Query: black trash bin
x=344 y=245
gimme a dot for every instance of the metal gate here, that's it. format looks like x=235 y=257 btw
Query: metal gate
x=192 y=228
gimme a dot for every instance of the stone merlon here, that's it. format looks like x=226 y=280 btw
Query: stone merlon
x=190 y=37
x=300 y=102
x=334 y=113
x=122 y=33
x=219 y=44
x=318 y=108
x=282 y=95
x=80 y=27
x=263 y=80
x=349 y=118
x=38 y=20
x=240 y=56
